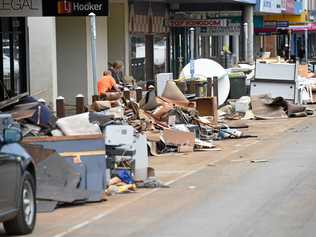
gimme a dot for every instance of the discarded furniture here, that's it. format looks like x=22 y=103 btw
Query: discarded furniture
x=78 y=159
x=207 y=106
x=276 y=79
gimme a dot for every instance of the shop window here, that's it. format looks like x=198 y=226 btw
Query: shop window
x=12 y=58
x=138 y=54
x=160 y=54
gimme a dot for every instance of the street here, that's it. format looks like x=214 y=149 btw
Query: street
x=232 y=196
x=164 y=118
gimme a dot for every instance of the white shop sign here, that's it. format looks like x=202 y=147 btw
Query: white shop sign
x=16 y=8
x=271 y=6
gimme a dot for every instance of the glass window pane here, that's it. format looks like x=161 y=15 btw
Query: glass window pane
x=6 y=63
x=138 y=55
x=160 y=54
x=16 y=64
x=12 y=39
x=16 y=55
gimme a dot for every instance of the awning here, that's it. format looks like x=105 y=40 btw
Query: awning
x=302 y=28
x=278 y=30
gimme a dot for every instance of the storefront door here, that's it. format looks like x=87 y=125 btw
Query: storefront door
x=139 y=58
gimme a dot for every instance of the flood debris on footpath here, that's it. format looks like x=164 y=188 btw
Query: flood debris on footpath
x=104 y=149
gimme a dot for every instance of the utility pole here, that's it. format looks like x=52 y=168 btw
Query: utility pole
x=306 y=45
x=192 y=48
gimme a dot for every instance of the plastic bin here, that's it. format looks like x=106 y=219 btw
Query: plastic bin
x=238 y=86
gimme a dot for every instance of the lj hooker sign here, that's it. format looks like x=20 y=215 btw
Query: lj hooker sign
x=15 y=8
x=75 y=7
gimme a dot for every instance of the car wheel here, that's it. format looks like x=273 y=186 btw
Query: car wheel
x=25 y=220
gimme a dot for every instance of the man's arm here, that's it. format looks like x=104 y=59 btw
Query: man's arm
x=115 y=86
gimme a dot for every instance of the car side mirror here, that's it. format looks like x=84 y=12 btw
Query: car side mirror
x=12 y=135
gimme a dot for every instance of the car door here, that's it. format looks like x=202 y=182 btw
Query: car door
x=8 y=182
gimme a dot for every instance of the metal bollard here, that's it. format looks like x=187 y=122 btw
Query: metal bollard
x=126 y=94
x=60 y=107
x=212 y=86
x=139 y=94
x=215 y=88
x=80 y=104
x=197 y=89
x=209 y=87
x=95 y=98
x=215 y=109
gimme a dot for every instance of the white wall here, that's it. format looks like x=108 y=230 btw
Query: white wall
x=116 y=27
x=42 y=50
x=71 y=57
x=60 y=55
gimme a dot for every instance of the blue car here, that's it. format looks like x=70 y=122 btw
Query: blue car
x=17 y=181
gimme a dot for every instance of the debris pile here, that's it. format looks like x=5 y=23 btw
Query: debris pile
x=105 y=149
x=34 y=117
x=262 y=107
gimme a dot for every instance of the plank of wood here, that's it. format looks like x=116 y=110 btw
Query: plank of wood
x=77 y=155
x=82 y=153
x=63 y=138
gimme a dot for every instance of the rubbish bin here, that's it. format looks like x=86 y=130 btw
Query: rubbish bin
x=238 y=86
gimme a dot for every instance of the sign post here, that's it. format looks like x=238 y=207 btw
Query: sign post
x=93 y=35
x=306 y=45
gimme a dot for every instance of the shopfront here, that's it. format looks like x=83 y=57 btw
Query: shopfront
x=211 y=37
x=13 y=59
x=60 y=42
x=274 y=34
x=160 y=36
x=46 y=47
x=210 y=30
x=149 y=39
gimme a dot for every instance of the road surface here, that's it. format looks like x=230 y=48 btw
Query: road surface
x=274 y=196
x=237 y=198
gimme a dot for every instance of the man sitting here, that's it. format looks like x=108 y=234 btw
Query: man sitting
x=106 y=84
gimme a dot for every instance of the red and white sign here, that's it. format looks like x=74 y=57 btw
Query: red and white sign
x=64 y=7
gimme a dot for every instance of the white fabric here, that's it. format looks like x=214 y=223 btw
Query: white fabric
x=78 y=125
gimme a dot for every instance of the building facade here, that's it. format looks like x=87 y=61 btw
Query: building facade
x=56 y=58
x=62 y=46
x=280 y=18
x=140 y=33
x=166 y=35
